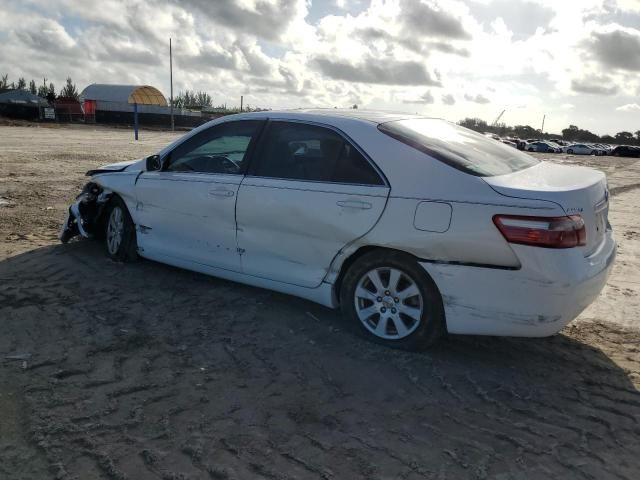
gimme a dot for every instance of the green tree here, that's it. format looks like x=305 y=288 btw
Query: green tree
x=4 y=81
x=476 y=124
x=203 y=99
x=22 y=84
x=70 y=90
x=43 y=90
x=525 y=131
x=193 y=100
x=624 y=137
x=32 y=87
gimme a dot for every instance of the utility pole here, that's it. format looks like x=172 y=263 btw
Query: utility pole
x=241 y=101
x=173 y=125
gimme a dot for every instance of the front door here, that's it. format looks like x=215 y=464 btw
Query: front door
x=308 y=193
x=186 y=211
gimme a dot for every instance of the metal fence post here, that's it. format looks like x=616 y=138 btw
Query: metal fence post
x=135 y=120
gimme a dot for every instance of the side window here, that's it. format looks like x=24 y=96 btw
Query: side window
x=219 y=149
x=310 y=153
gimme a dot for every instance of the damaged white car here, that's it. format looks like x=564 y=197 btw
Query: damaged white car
x=412 y=226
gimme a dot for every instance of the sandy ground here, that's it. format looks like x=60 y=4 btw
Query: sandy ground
x=111 y=371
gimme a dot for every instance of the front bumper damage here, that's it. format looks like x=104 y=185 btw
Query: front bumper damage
x=84 y=216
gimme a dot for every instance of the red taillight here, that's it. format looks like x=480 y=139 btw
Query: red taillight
x=547 y=232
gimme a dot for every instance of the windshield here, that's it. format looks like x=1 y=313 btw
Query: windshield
x=458 y=147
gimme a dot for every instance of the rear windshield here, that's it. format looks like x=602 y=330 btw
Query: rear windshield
x=459 y=147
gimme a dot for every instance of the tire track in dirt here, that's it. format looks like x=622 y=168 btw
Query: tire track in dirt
x=219 y=380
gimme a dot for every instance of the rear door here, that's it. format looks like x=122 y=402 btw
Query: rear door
x=308 y=193
x=187 y=210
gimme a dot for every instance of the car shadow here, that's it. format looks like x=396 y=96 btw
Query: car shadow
x=262 y=372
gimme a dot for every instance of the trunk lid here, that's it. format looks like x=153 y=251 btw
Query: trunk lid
x=578 y=190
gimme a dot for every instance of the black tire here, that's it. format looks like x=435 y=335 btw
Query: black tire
x=570 y=152
x=427 y=330
x=126 y=248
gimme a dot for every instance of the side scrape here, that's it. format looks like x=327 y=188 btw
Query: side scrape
x=84 y=215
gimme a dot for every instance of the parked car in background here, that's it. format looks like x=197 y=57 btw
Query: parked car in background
x=626 y=151
x=580 y=149
x=495 y=136
x=510 y=143
x=542 y=147
x=412 y=226
x=555 y=146
x=602 y=148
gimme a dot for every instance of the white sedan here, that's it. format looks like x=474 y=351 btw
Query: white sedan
x=412 y=226
x=580 y=149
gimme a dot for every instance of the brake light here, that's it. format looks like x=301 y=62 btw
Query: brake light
x=546 y=232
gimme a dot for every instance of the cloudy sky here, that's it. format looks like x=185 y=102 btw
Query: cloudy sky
x=577 y=61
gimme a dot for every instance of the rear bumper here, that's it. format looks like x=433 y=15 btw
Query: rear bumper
x=550 y=290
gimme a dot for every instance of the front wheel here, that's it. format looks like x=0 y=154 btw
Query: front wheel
x=390 y=299
x=570 y=152
x=120 y=232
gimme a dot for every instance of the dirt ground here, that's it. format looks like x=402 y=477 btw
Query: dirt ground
x=143 y=371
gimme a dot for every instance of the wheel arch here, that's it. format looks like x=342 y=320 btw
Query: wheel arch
x=358 y=253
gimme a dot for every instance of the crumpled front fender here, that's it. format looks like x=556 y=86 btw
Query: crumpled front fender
x=83 y=217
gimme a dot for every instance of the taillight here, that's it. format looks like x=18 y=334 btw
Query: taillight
x=546 y=232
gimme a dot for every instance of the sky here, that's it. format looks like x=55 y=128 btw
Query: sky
x=575 y=61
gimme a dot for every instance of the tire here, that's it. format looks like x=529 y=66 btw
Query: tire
x=414 y=322
x=570 y=151
x=120 y=232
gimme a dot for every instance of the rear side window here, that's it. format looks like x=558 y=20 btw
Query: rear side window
x=458 y=147
x=298 y=151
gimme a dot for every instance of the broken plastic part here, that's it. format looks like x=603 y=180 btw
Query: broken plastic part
x=84 y=215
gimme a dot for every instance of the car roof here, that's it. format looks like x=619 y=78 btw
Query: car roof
x=370 y=116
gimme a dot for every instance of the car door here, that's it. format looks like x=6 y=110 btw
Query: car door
x=187 y=210
x=308 y=193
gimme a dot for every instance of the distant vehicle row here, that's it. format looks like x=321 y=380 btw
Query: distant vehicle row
x=561 y=146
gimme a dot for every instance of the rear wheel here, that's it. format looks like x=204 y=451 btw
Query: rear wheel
x=570 y=152
x=120 y=232
x=390 y=299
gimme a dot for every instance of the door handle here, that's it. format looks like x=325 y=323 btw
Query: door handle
x=354 y=204
x=221 y=192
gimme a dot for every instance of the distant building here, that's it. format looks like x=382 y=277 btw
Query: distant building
x=68 y=109
x=23 y=104
x=103 y=103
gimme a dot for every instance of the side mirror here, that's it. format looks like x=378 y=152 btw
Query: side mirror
x=153 y=163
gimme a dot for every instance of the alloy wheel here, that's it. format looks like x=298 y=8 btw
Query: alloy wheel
x=388 y=302
x=115 y=230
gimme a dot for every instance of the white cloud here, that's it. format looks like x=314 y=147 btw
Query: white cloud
x=629 y=107
x=378 y=55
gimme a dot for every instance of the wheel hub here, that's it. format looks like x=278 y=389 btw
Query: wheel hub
x=389 y=303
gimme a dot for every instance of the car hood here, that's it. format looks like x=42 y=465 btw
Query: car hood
x=129 y=165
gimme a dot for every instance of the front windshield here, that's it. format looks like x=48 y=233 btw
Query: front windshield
x=458 y=147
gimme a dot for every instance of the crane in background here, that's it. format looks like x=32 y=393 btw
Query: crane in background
x=495 y=122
